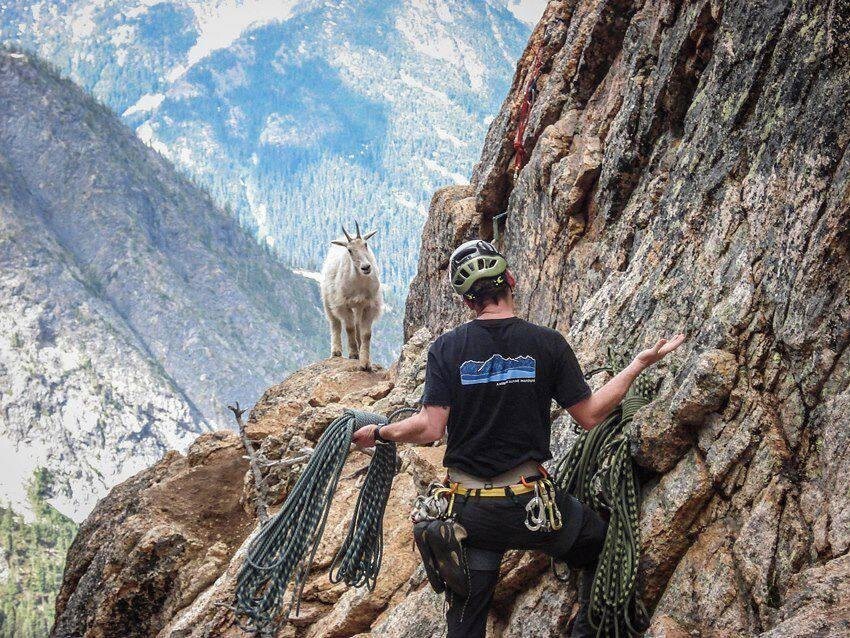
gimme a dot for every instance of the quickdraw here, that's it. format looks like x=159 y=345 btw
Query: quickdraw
x=437 y=503
x=529 y=95
x=542 y=511
x=528 y=98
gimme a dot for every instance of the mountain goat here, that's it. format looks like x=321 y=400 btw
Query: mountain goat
x=351 y=294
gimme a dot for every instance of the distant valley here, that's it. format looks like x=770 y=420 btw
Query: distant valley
x=299 y=115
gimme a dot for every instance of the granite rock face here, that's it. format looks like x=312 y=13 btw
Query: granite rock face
x=686 y=170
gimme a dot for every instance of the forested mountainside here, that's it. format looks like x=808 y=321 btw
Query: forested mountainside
x=132 y=309
x=32 y=553
x=299 y=114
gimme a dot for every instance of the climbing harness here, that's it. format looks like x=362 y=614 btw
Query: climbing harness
x=438 y=536
x=598 y=470
x=282 y=552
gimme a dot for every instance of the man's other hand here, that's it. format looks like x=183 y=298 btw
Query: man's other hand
x=661 y=349
x=365 y=436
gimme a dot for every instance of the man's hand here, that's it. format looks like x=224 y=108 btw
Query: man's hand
x=656 y=353
x=365 y=436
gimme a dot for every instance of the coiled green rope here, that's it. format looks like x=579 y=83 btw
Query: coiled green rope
x=598 y=470
x=282 y=553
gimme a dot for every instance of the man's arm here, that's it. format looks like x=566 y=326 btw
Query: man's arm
x=426 y=426
x=593 y=410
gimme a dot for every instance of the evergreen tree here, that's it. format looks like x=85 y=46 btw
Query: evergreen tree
x=34 y=555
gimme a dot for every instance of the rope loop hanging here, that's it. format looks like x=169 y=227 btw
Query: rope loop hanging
x=598 y=470
x=280 y=556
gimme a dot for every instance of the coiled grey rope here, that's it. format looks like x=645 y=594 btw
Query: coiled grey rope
x=282 y=552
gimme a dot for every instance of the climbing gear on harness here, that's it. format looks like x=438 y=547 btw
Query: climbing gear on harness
x=473 y=261
x=440 y=542
x=439 y=539
x=282 y=552
x=431 y=506
x=598 y=470
x=542 y=511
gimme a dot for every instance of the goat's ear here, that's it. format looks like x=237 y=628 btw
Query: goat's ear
x=337 y=242
x=370 y=235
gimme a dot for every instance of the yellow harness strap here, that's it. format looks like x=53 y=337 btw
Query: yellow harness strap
x=491 y=492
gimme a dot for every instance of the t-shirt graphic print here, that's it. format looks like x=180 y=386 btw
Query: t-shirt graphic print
x=498 y=377
x=499 y=369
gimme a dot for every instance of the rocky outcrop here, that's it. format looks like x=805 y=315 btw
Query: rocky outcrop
x=686 y=170
x=155 y=542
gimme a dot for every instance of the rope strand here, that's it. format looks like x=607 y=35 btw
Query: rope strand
x=280 y=556
x=598 y=470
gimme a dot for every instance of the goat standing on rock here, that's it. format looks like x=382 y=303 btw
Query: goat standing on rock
x=351 y=294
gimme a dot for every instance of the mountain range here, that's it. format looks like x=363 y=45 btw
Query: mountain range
x=298 y=115
x=132 y=309
x=143 y=309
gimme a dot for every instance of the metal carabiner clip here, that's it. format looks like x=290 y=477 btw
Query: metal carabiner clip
x=535 y=518
x=555 y=520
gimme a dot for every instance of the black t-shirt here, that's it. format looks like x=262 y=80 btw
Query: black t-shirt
x=499 y=377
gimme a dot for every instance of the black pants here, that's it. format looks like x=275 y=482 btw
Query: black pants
x=495 y=525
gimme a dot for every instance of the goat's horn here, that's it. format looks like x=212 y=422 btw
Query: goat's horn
x=345 y=232
x=369 y=236
x=357 y=226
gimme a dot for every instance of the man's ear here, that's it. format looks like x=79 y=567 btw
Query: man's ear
x=511 y=279
x=336 y=242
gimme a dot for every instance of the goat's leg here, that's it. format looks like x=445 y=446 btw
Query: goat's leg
x=351 y=333
x=365 y=331
x=336 y=332
x=358 y=314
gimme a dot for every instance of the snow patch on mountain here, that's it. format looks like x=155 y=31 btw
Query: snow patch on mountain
x=529 y=11
x=148 y=102
x=438 y=168
x=221 y=23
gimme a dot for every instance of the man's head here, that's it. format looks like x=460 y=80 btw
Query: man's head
x=479 y=273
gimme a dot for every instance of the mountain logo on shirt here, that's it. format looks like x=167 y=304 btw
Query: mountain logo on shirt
x=498 y=368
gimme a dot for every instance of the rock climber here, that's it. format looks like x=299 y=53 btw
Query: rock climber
x=489 y=383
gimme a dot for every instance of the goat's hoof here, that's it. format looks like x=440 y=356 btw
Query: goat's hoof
x=366 y=368
x=336 y=353
x=353 y=356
